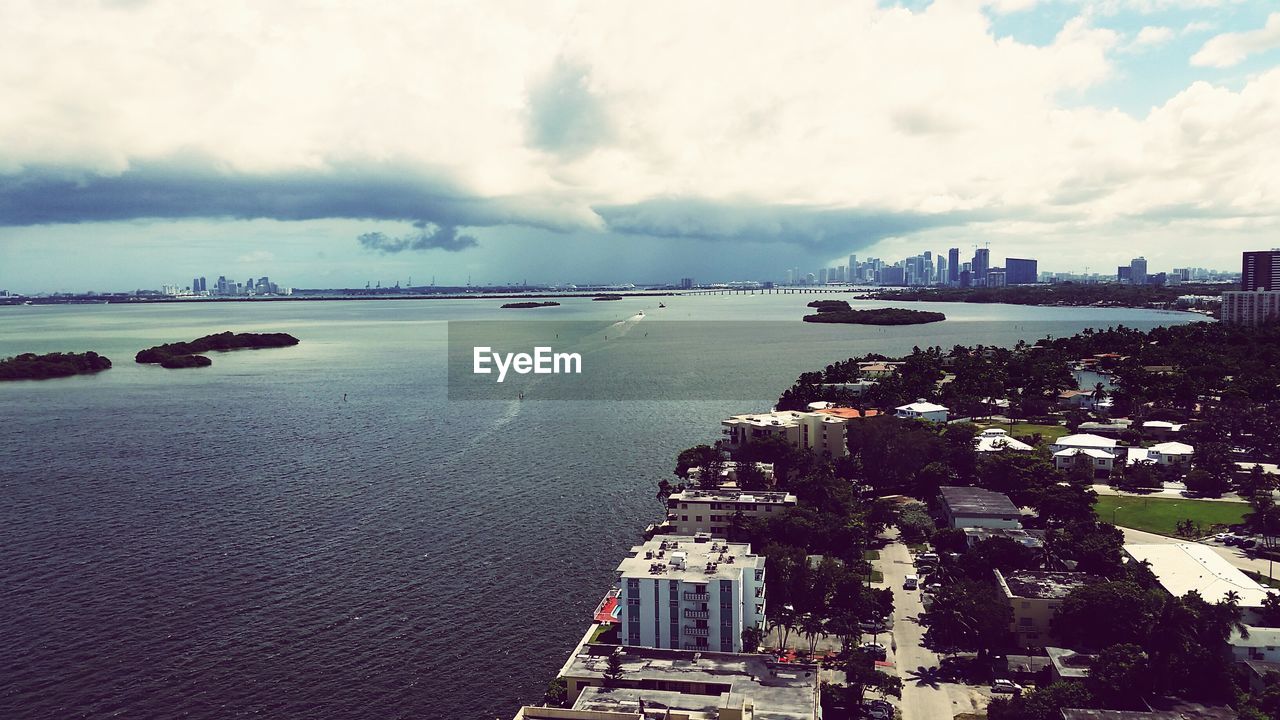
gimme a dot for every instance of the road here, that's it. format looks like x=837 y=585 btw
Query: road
x=1170 y=491
x=1233 y=555
x=923 y=696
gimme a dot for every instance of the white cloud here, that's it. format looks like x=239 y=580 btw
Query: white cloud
x=1151 y=36
x=1230 y=49
x=575 y=107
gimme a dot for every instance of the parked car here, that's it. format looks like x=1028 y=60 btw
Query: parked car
x=874 y=626
x=927 y=558
x=1000 y=685
x=1248 y=542
x=1231 y=539
x=877 y=709
x=875 y=650
x=1222 y=537
x=911 y=582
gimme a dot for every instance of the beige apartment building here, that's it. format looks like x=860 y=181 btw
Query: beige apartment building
x=709 y=511
x=821 y=431
x=1035 y=597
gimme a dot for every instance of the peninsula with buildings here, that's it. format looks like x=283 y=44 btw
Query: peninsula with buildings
x=1079 y=528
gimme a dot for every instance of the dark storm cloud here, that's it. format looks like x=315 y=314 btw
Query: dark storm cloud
x=564 y=116
x=813 y=227
x=185 y=189
x=438 y=237
x=195 y=188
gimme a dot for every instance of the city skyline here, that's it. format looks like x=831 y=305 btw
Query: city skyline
x=1079 y=134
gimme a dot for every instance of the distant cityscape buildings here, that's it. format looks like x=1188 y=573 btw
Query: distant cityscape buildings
x=226 y=288
x=1258 y=299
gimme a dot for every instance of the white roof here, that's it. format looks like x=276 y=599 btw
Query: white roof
x=1173 y=448
x=1085 y=440
x=923 y=407
x=1091 y=452
x=1258 y=637
x=1165 y=424
x=1183 y=567
x=1135 y=455
x=1000 y=441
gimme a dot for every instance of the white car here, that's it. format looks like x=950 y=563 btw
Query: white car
x=1000 y=685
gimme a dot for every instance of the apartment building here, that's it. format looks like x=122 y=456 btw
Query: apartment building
x=1035 y=597
x=691 y=593
x=692 y=511
x=964 y=507
x=1250 y=308
x=821 y=431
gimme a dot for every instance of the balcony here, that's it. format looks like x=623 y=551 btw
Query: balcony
x=697 y=597
x=697 y=614
x=696 y=631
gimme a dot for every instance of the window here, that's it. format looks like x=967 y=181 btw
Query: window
x=1026 y=622
x=697 y=518
x=684 y=518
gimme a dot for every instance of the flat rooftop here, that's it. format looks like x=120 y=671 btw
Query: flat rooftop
x=1043 y=585
x=780 y=691
x=627 y=700
x=784 y=418
x=731 y=496
x=1183 y=567
x=977 y=501
x=705 y=559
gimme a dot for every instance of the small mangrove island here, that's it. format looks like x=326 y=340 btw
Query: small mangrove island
x=29 y=366
x=185 y=354
x=523 y=305
x=607 y=297
x=838 y=311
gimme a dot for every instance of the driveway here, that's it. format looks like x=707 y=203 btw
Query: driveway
x=924 y=696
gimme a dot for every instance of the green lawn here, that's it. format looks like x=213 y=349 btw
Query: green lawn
x=1048 y=432
x=1159 y=515
x=877 y=576
x=1262 y=579
x=870 y=555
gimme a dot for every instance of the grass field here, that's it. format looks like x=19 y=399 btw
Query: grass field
x=1161 y=516
x=1048 y=432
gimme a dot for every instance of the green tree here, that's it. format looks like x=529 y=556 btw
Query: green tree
x=1120 y=677
x=1103 y=614
x=914 y=523
x=557 y=693
x=1044 y=703
x=752 y=636
x=750 y=477
x=968 y=615
x=613 y=670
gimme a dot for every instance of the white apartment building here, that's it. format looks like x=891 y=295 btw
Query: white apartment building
x=692 y=511
x=1250 y=308
x=691 y=593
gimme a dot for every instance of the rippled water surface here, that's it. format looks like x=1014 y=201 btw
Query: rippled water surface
x=237 y=541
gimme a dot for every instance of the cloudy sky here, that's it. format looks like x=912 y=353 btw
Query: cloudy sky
x=328 y=144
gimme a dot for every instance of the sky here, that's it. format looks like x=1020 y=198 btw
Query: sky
x=330 y=144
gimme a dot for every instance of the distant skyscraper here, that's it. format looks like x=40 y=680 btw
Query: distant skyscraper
x=686 y=283
x=981 y=263
x=1123 y=273
x=203 y=284
x=195 y=285
x=943 y=271
x=1260 y=270
x=222 y=285
x=1138 y=271
x=953 y=265
x=1019 y=271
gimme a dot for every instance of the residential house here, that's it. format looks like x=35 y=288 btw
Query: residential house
x=921 y=410
x=1101 y=461
x=997 y=439
x=975 y=507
